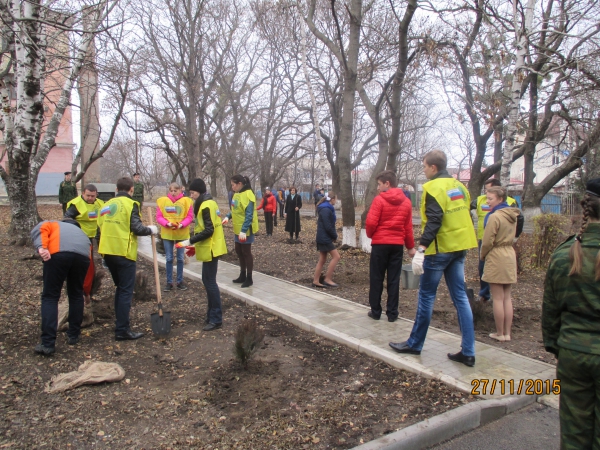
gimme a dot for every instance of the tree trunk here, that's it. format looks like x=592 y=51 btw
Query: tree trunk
x=521 y=39
x=23 y=205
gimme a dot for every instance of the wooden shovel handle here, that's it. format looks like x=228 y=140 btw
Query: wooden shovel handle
x=155 y=258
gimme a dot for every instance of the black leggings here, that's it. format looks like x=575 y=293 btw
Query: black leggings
x=244 y=253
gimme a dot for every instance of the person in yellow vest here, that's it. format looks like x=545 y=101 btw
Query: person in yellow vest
x=482 y=208
x=174 y=214
x=208 y=245
x=245 y=226
x=120 y=225
x=85 y=209
x=447 y=235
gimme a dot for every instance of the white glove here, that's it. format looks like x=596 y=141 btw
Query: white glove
x=225 y=220
x=182 y=244
x=169 y=225
x=242 y=236
x=180 y=226
x=154 y=229
x=417 y=263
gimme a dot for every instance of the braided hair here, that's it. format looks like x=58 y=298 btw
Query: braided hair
x=591 y=210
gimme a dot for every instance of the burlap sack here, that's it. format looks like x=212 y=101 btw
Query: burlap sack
x=63 y=315
x=90 y=372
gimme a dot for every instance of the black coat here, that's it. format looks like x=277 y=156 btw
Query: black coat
x=292 y=221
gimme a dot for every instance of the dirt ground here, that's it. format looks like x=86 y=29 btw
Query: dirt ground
x=296 y=262
x=300 y=391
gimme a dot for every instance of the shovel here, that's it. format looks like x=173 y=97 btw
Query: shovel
x=160 y=321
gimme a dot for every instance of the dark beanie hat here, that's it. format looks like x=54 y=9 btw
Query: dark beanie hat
x=72 y=222
x=593 y=187
x=198 y=185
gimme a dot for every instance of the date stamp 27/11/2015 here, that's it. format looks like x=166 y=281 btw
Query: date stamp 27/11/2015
x=485 y=386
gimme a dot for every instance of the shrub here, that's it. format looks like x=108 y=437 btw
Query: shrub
x=549 y=231
x=524 y=250
x=248 y=337
x=142 y=289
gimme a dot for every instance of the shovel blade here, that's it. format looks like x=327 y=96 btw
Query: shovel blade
x=470 y=293
x=161 y=326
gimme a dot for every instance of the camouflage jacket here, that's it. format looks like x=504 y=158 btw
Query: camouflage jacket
x=571 y=307
x=67 y=192
x=138 y=192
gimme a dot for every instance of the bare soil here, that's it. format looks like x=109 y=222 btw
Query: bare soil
x=300 y=391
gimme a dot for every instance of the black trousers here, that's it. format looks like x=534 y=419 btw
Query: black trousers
x=123 y=272
x=60 y=267
x=269 y=222
x=384 y=258
x=281 y=210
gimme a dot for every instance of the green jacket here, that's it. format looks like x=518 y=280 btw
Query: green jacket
x=138 y=192
x=67 y=192
x=571 y=307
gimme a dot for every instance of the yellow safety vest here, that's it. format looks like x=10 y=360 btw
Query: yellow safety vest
x=88 y=214
x=215 y=245
x=483 y=209
x=456 y=232
x=115 y=235
x=175 y=213
x=238 y=212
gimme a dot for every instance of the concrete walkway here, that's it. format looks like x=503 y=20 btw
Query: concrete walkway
x=346 y=322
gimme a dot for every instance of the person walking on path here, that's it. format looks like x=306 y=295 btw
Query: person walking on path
x=389 y=225
x=245 y=226
x=66 y=252
x=447 y=235
x=570 y=318
x=293 y=204
x=67 y=191
x=138 y=190
x=482 y=208
x=269 y=204
x=500 y=258
x=174 y=214
x=208 y=245
x=120 y=225
x=326 y=238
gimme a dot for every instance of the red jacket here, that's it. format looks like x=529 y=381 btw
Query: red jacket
x=389 y=220
x=270 y=205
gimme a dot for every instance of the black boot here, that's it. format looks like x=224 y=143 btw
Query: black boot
x=248 y=281
x=241 y=278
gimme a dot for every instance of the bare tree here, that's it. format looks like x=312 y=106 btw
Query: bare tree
x=37 y=54
x=347 y=58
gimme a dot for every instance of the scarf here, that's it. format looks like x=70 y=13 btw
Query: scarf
x=496 y=208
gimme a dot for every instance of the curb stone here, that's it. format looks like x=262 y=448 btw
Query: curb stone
x=449 y=424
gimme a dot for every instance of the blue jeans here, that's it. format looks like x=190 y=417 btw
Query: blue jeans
x=484 y=290
x=122 y=271
x=209 y=279
x=452 y=266
x=169 y=246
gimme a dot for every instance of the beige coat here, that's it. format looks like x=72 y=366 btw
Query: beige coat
x=497 y=247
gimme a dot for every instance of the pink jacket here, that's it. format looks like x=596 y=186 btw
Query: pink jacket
x=185 y=222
